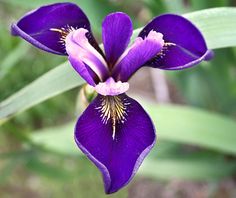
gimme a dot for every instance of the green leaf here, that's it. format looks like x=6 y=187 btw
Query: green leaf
x=12 y=58
x=194 y=126
x=57 y=139
x=176 y=6
x=174 y=123
x=46 y=169
x=54 y=82
x=202 y=4
x=194 y=169
x=217 y=24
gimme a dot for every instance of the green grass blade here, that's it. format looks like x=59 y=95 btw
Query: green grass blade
x=54 y=82
x=190 y=169
x=12 y=58
x=48 y=170
x=218 y=26
x=194 y=126
x=57 y=139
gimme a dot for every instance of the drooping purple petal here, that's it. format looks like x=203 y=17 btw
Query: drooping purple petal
x=185 y=45
x=41 y=27
x=142 y=50
x=82 y=55
x=116 y=32
x=118 y=156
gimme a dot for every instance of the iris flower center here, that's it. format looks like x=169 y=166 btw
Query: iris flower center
x=64 y=31
x=111 y=88
x=113 y=109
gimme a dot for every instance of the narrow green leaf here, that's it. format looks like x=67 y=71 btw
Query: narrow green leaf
x=218 y=26
x=56 y=81
x=194 y=169
x=194 y=126
x=47 y=170
x=58 y=139
x=12 y=58
x=203 y=4
x=176 y=6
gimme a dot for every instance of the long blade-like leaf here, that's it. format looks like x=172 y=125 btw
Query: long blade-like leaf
x=50 y=84
x=12 y=58
x=194 y=169
x=57 y=139
x=194 y=126
x=218 y=26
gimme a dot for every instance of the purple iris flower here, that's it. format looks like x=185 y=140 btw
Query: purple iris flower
x=114 y=131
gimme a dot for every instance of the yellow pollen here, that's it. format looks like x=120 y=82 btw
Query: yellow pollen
x=113 y=108
x=64 y=31
x=161 y=54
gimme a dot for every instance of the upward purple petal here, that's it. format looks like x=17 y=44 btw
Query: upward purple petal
x=139 y=53
x=185 y=45
x=116 y=32
x=85 y=59
x=36 y=26
x=117 y=155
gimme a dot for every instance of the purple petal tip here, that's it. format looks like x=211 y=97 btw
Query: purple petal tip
x=209 y=55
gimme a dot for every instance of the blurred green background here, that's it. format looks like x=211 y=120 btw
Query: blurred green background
x=195 y=118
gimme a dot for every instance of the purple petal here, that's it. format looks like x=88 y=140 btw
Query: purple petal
x=116 y=32
x=142 y=50
x=189 y=45
x=82 y=53
x=117 y=157
x=37 y=26
x=87 y=74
